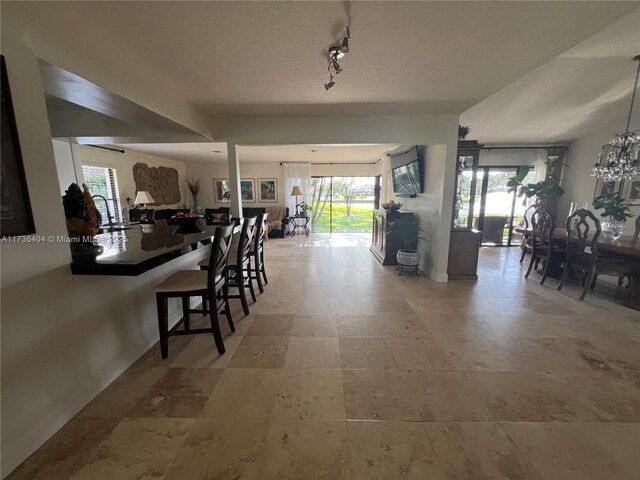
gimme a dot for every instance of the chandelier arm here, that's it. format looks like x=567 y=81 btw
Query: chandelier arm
x=633 y=97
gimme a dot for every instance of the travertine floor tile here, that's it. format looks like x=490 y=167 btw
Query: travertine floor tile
x=137 y=448
x=382 y=325
x=202 y=352
x=271 y=326
x=298 y=449
x=386 y=450
x=313 y=352
x=221 y=449
x=308 y=394
x=260 y=352
x=314 y=326
x=473 y=451
x=574 y=451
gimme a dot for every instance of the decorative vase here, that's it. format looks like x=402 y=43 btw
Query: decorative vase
x=408 y=258
x=613 y=228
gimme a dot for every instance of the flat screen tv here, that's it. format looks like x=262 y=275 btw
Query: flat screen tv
x=406 y=173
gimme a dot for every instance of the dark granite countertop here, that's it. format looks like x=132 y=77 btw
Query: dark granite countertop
x=140 y=248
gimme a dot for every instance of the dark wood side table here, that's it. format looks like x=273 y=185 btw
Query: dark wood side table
x=299 y=221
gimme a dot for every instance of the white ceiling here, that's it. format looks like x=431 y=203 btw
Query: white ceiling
x=584 y=88
x=518 y=72
x=217 y=152
x=269 y=58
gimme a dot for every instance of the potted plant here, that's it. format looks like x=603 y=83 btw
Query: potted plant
x=194 y=187
x=615 y=213
x=392 y=208
x=547 y=191
x=406 y=230
x=463 y=131
x=304 y=208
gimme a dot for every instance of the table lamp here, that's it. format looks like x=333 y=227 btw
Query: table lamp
x=296 y=192
x=143 y=198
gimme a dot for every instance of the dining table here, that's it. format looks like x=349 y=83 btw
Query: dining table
x=625 y=246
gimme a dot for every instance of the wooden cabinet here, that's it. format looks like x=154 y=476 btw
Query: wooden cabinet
x=464 y=244
x=464 y=247
x=384 y=246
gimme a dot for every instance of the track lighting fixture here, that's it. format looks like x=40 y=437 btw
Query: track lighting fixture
x=336 y=52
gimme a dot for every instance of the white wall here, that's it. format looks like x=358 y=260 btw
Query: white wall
x=64 y=337
x=70 y=158
x=577 y=181
x=499 y=157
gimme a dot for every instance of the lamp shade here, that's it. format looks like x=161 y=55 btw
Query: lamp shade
x=296 y=191
x=142 y=198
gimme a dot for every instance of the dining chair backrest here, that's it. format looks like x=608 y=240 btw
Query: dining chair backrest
x=142 y=216
x=219 y=253
x=583 y=230
x=245 y=243
x=542 y=225
x=637 y=232
x=217 y=216
x=528 y=213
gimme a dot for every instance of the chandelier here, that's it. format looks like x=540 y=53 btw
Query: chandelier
x=620 y=158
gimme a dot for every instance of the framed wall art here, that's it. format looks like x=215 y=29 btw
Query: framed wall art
x=222 y=190
x=604 y=187
x=631 y=191
x=16 y=217
x=248 y=190
x=268 y=190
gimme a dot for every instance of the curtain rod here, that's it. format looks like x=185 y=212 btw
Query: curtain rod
x=107 y=148
x=532 y=147
x=337 y=163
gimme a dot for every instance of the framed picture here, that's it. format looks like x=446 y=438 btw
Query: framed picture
x=248 y=190
x=606 y=186
x=631 y=191
x=268 y=190
x=16 y=217
x=222 y=190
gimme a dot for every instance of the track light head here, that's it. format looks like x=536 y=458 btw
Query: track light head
x=336 y=66
x=327 y=86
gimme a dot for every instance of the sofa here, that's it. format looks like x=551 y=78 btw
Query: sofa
x=277 y=221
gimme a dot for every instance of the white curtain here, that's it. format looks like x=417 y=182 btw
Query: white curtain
x=540 y=167
x=386 y=189
x=297 y=174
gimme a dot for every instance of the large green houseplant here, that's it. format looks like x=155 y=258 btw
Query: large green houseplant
x=547 y=191
x=406 y=230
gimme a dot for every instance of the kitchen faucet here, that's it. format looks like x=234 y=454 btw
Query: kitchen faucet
x=106 y=204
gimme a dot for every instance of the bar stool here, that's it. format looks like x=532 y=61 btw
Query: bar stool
x=210 y=284
x=239 y=266
x=257 y=252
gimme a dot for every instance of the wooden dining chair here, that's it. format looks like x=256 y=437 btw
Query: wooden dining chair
x=542 y=244
x=525 y=245
x=637 y=232
x=217 y=216
x=210 y=284
x=583 y=232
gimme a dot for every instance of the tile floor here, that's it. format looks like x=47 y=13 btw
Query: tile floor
x=344 y=370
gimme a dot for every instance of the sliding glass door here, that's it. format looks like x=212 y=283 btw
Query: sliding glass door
x=343 y=204
x=500 y=211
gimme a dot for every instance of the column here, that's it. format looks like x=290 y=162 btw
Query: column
x=234 y=180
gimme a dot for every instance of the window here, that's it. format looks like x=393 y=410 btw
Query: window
x=103 y=181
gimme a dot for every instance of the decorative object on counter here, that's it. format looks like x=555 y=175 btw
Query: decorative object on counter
x=463 y=131
x=620 y=158
x=406 y=230
x=143 y=199
x=160 y=182
x=188 y=222
x=16 y=217
x=193 y=184
x=296 y=192
x=248 y=190
x=615 y=214
x=267 y=190
x=222 y=190
x=83 y=220
x=392 y=208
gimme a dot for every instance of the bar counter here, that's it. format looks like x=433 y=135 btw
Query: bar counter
x=139 y=248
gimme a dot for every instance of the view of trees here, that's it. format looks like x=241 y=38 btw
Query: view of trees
x=342 y=193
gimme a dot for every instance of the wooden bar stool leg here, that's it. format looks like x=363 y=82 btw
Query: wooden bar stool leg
x=163 y=327
x=243 y=294
x=227 y=308
x=250 y=280
x=185 y=313
x=257 y=271
x=215 y=327
x=264 y=273
x=204 y=306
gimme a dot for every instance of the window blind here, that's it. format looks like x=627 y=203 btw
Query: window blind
x=103 y=181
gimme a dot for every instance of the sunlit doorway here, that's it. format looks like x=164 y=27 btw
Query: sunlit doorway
x=343 y=204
